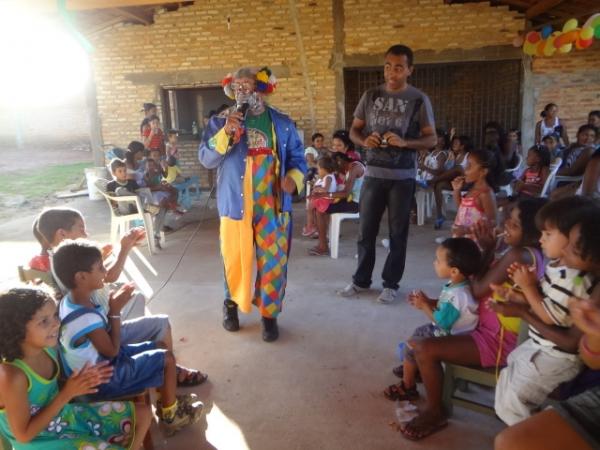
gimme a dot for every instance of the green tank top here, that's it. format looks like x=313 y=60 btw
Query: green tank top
x=102 y=425
x=259 y=131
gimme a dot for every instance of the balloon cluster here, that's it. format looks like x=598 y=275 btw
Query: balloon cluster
x=547 y=41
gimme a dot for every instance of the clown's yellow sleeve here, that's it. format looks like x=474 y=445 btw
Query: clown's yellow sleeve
x=220 y=141
x=298 y=178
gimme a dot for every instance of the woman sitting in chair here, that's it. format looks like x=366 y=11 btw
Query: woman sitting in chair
x=348 y=193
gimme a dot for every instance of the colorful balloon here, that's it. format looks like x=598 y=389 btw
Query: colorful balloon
x=580 y=44
x=546 y=31
x=539 y=48
x=586 y=33
x=593 y=21
x=529 y=48
x=533 y=37
x=597 y=32
x=549 y=48
x=566 y=38
x=570 y=25
x=565 y=48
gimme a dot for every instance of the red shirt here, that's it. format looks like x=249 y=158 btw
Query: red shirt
x=41 y=263
x=157 y=141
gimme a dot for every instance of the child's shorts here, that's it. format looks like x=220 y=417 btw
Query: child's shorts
x=137 y=367
x=147 y=328
x=422 y=332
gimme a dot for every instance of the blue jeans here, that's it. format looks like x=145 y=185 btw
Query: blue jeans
x=376 y=195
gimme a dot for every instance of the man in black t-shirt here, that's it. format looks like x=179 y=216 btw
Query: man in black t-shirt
x=391 y=123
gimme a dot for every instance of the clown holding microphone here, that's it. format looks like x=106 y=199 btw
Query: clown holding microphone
x=260 y=163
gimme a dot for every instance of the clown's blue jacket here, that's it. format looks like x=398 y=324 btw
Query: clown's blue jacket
x=214 y=152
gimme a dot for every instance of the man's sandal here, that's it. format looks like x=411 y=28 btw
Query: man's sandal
x=192 y=377
x=400 y=392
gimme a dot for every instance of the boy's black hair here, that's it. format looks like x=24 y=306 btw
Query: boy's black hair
x=115 y=163
x=315 y=136
x=172 y=132
x=586 y=127
x=153 y=117
x=595 y=112
x=465 y=141
x=135 y=147
x=17 y=306
x=148 y=106
x=327 y=163
x=172 y=161
x=543 y=153
x=487 y=160
x=463 y=254
x=528 y=209
x=53 y=219
x=551 y=136
x=399 y=50
x=73 y=256
x=588 y=243
x=564 y=213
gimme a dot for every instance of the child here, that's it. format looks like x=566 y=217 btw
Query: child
x=548 y=357
x=479 y=203
x=162 y=193
x=34 y=412
x=533 y=179
x=460 y=147
x=325 y=184
x=40 y=262
x=172 y=174
x=434 y=161
x=59 y=224
x=551 y=143
x=172 y=149
x=134 y=158
x=455 y=312
x=123 y=186
x=154 y=138
x=90 y=335
x=312 y=154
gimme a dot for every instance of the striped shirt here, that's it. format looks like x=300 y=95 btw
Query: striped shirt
x=557 y=286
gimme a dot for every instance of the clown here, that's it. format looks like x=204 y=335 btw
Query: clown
x=260 y=164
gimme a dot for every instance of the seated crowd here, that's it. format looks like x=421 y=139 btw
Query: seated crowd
x=70 y=371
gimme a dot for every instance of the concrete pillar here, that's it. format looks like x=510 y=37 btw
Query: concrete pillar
x=337 y=62
x=528 y=97
x=95 y=124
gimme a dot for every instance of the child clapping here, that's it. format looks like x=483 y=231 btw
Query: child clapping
x=455 y=312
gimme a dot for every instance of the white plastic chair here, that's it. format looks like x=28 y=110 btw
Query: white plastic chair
x=334 y=230
x=424 y=199
x=551 y=176
x=119 y=222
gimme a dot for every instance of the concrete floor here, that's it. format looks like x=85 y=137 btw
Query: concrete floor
x=319 y=386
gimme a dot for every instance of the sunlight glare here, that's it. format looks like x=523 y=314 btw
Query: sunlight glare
x=43 y=63
x=223 y=432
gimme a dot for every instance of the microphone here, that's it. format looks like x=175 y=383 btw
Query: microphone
x=242 y=108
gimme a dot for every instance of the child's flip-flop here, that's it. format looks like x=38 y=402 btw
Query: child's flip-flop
x=400 y=392
x=420 y=427
x=316 y=251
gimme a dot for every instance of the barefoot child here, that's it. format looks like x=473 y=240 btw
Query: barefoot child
x=454 y=313
x=34 y=412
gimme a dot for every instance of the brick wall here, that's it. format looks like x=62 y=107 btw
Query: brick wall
x=372 y=26
x=572 y=81
x=131 y=62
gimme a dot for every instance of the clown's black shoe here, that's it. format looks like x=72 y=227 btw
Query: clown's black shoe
x=270 y=329
x=231 y=322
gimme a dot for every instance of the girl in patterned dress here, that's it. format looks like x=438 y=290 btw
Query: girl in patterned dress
x=479 y=203
x=34 y=412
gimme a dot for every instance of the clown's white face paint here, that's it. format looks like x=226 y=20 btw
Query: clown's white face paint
x=244 y=89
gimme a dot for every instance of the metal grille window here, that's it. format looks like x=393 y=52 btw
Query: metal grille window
x=464 y=95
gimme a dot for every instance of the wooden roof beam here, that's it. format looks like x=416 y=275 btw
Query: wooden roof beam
x=130 y=15
x=84 y=5
x=541 y=7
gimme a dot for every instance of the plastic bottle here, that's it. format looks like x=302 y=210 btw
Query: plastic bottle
x=194 y=128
